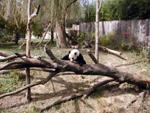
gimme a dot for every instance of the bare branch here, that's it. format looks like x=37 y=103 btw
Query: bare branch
x=35 y=13
x=99 y=83
x=92 y=57
x=12 y=57
x=28 y=86
x=78 y=95
x=47 y=28
x=62 y=100
x=70 y=4
x=100 y=5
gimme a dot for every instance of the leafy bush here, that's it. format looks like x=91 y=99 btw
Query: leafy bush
x=145 y=52
x=82 y=37
x=37 y=29
x=107 y=40
x=7 y=29
x=116 y=41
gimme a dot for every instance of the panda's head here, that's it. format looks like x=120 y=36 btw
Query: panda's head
x=73 y=55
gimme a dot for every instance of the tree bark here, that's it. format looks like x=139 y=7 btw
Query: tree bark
x=28 y=45
x=61 y=41
x=97 y=31
x=88 y=69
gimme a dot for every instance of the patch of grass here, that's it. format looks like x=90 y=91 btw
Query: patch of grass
x=9 y=82
x=31 y=109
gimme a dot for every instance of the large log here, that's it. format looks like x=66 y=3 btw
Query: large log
x=88 y=69
x=107 y=50
x=56 y=66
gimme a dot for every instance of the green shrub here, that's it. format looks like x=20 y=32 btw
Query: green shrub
x=82 y=37
x=8 y=28
x=107 y=40
x=145 y=52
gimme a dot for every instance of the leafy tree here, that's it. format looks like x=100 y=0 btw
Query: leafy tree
x=125 y=9
x=90 y=13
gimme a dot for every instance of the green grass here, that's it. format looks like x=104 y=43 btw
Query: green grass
x=9 y=82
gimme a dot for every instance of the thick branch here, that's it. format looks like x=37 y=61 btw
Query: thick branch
x=35 y=13
x=99 y=83
x=107 y=50
x=83 y=94
x=100 y=5
x=27 y=62
x=100 y=69
x=93 y=69
x=62 y=100
x=113 y=52
x=12 y=57
x=92 y=57
x=3 y=54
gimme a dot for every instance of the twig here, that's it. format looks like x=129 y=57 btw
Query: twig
x=48 y=26
x=140 y=98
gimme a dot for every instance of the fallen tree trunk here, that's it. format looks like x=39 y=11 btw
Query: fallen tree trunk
x=27 y=86
x=93 y=69
x=107 y=50
x=113 y=52
x=56 y=66
x=110 y=50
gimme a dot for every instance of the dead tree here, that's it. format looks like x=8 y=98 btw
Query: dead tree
x=28 y=44
x=56 y=66
x=98 y=7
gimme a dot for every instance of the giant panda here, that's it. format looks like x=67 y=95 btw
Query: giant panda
x=75 y=56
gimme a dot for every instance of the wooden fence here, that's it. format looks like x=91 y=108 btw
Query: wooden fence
x=138 y=29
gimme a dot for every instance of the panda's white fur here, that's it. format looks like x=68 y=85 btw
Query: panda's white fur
x=74 y=54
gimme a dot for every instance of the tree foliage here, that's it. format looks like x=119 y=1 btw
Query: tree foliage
x=119 y=10
x=125 y=9
x=90 y=13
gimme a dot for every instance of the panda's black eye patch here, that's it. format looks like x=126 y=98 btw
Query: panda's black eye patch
x=75 y=53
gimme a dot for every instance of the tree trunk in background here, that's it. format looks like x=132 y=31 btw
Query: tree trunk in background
x=97 y=31
x=61 y=40
x=52 y=35
x=9 y=10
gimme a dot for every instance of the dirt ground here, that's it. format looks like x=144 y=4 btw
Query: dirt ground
x=112 y=98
